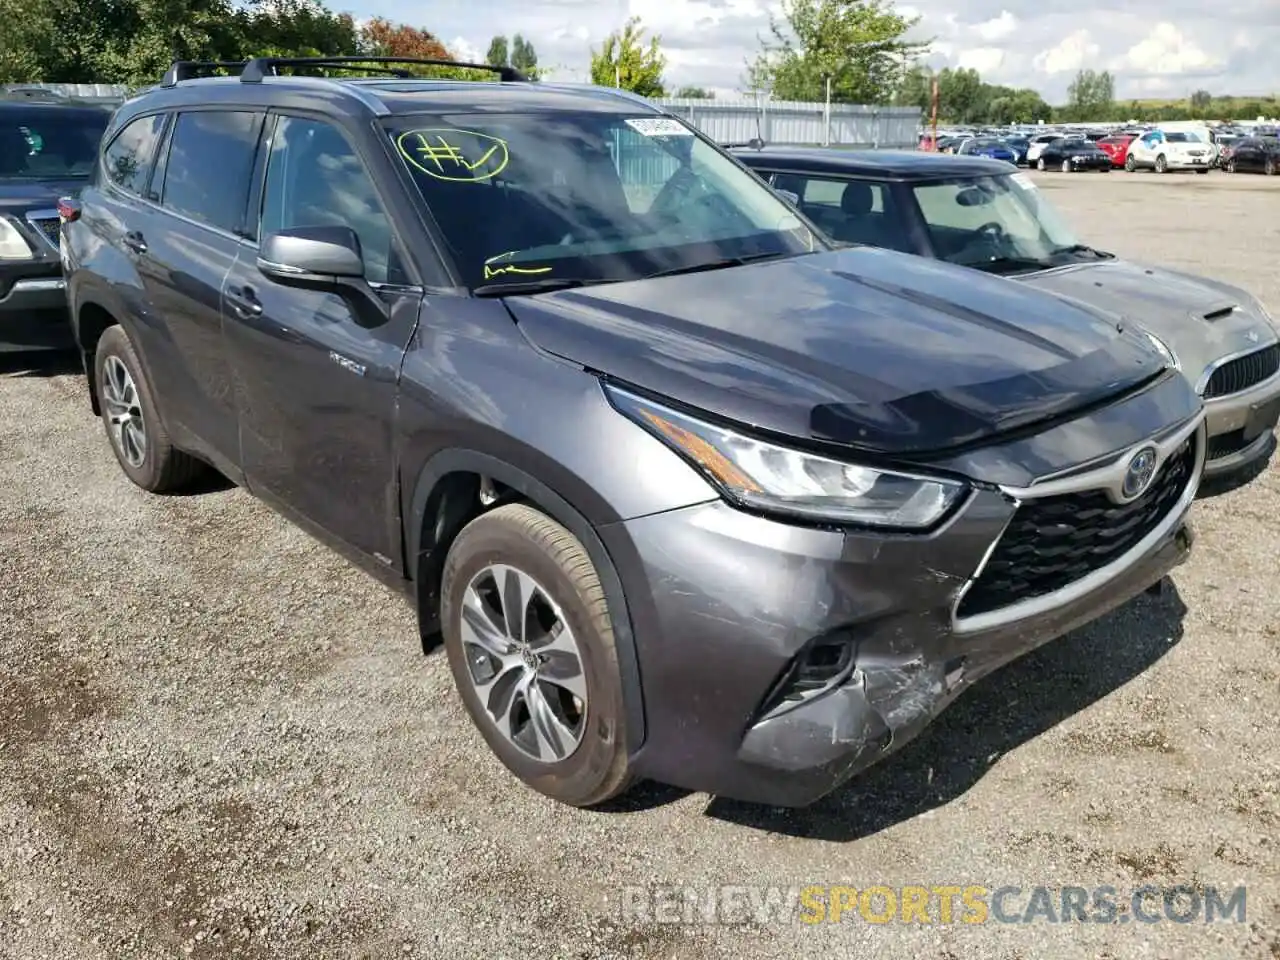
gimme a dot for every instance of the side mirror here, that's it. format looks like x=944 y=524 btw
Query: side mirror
x=311 y=256
x=323 y=258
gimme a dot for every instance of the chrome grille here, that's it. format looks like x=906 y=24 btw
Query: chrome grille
x=1054 y=541
x=1243 y=372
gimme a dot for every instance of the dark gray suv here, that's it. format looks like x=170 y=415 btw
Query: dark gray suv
x=690 y=495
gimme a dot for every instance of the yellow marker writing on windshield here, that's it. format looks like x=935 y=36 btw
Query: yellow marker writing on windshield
x=490 y=271
x=454 y=155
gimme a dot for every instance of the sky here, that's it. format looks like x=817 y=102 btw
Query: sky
x=1154 y=48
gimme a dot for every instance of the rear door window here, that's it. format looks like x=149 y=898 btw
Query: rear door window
x=210 y=164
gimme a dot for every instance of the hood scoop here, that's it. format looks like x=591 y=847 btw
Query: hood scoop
x=1221 y=313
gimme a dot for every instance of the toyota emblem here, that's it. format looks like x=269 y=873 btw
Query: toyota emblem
x=1139 y=473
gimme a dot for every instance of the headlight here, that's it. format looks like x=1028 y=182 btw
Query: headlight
x=12 y=244
x=1163 y=349
x=760 y=475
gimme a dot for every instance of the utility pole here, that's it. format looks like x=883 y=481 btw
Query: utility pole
x=826 y=117
x=933 y=109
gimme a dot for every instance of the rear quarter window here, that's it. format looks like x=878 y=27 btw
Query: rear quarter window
x=127 y=160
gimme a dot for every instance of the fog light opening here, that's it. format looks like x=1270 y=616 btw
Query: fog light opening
x=822 y=664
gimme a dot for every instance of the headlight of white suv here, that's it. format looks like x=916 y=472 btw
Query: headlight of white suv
x=770 y=478
x=12 y=244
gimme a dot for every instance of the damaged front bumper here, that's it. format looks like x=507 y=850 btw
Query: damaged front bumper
x=887 y=702
x=777 y=661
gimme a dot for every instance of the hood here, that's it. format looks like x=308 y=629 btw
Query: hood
x=1200 y=319
x=878 y=350
x=19 y=196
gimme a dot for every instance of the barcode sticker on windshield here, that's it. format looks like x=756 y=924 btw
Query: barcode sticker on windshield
x=659 y=127
x=1021 y=180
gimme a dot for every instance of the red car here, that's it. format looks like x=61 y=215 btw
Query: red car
x=1117 y=148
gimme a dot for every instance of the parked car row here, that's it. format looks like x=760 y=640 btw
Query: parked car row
x=1165 y=149
x=727 y=471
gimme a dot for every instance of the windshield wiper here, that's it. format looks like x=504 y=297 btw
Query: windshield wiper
x=1005 y=264
x=717 y=264
x=1084 y=249
x=514 y=288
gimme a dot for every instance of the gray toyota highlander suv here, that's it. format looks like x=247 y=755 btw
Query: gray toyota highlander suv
x=690 y=495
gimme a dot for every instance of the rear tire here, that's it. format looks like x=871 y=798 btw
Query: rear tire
x=132 y=420
x=557 y=720
x=1231 y=166
x=1040 y=164
x=1270 y=168
x=1130 y=164
x=1162 y=165
x=1066 y=166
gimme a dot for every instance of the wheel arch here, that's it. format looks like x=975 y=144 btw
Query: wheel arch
x=447 y=495
x=92 y=318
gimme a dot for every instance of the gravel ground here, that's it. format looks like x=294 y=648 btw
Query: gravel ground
x=219 y=740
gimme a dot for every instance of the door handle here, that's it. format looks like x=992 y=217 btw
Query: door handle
x=135 y=241
x=244 y=301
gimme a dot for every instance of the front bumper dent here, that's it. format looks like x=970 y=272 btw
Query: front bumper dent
x=806 y=752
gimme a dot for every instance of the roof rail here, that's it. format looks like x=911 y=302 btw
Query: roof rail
x=190 y=69
x=260 y=67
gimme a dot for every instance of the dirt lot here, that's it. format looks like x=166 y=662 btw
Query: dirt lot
x=220 y=741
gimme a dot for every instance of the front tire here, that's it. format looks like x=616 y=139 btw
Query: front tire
x=132 y=420
x=1040 y=164
x=1270 y=168
x=1130 y=164
x=531 y=646
x=1066 y=166
x=1162 y=165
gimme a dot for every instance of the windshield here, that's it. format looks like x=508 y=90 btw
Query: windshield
x=49 y=144
x=995 y=222
x=589 y=196
x=1182 y=138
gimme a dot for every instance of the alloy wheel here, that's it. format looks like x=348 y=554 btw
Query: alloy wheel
x=524 y=663
x=1040 y=164
x=1066 y=166
x=124 y=412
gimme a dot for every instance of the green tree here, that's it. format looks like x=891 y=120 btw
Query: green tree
x=915 y=89
x=1201 y=103
x=623 y=60
x=859 y=45
x=498 y=55
x=1091 y=95
x=523 y=57
x=694 y=93
x=1016 y=106
x=962 y=96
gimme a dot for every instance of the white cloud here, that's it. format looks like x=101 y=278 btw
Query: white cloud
x=997 y=28
x=1039 y=44
x=986 y=60
x=1077 y=51
x=463 y=49
x=1166 y=51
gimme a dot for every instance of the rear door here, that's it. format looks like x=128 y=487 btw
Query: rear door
x=316 y=373
x=202 y=186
